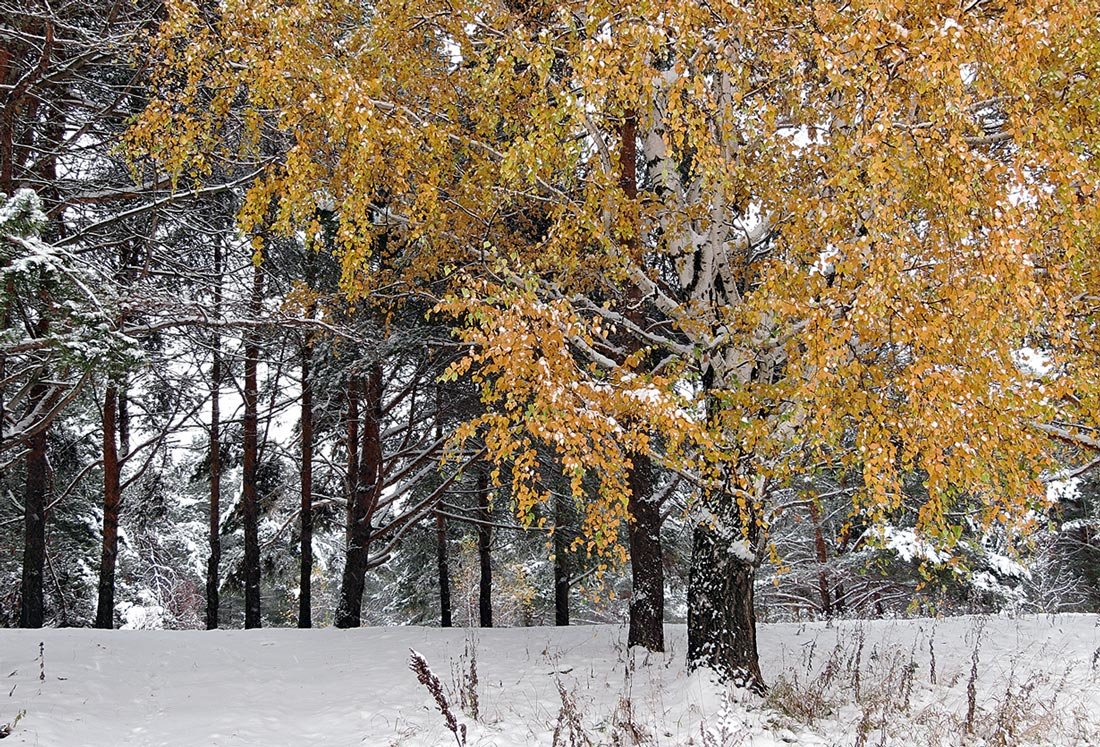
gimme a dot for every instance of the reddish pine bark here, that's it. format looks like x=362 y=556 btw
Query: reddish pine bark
x=112 y=500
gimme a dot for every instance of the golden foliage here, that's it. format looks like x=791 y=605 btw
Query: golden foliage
x=856 y=216
x=522 y=356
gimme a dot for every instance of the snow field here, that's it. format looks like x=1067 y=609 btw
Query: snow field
x=861 y=683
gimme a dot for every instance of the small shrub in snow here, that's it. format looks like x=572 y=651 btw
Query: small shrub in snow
x=568 y=730
x=464 y=679
x=626 y=726
x=427 y=678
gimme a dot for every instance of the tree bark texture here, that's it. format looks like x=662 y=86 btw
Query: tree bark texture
x=346 y=619
x=647 y=599
x=35 y=500
x=443 y=569
x=17 y=147
x=213 y=562
x=822 y=557
x=441 y=556
x=484 y=549
x=112 y=500
x=123 y=424
x=721 y=604
x=367 y=488
x=561 y=561
x=721 y=612
x=305 y=602
x=249 y=506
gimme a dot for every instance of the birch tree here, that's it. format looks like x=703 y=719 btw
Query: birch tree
x=846 y=223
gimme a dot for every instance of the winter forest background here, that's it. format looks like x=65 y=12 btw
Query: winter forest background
x=531 y=314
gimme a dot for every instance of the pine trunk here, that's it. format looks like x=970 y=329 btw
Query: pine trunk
x=822 y=559
x=305 y=602
x=443 y=570
x=123 y=424
x=249 y=506
x=647 y=598
x=561 y=562
x=367 y=488
x=441 y=560
x=484 y=550
x=35 y=500
x=839 y=598
x=213 y=563
x=352 y=487
x=112 y=499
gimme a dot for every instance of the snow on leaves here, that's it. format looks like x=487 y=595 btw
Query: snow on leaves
x=944 y=160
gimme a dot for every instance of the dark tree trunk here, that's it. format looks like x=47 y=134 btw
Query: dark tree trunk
x=15 y=150
x=305 y=616
x=484 y=549
x=721 y=605
x=213 y=563
x=112 y=499
x=116 y=446
x=352 y=482
x=35 y=500
x=368 y=486
x=352 y=489
x=647 y=599
x=721 y=613
x=444 y=574
x=9 y=294
x=628 y=181
x=249 y=507
x=10 y=76
x=352 y=423
x=442 y=564
x=123 y=424
x=840 y=600
x=822 y=558
x=561 y=561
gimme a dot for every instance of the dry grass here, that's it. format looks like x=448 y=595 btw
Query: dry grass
x=873 y=693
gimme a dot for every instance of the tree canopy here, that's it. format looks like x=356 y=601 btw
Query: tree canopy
x=745 y=239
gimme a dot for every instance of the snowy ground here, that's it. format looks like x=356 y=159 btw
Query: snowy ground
x=854 y=683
